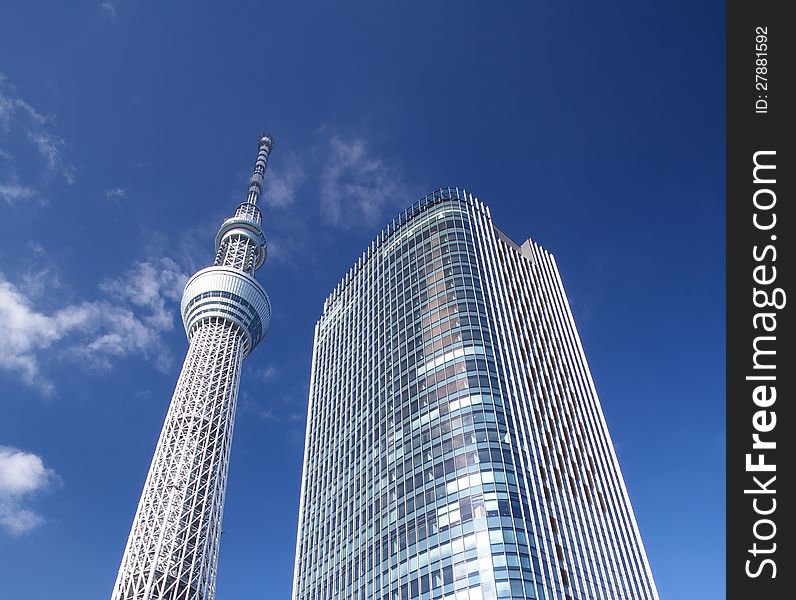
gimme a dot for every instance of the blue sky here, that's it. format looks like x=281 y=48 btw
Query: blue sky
x=128 y=131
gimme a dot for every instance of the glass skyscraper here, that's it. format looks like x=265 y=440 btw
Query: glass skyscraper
x=455 y=445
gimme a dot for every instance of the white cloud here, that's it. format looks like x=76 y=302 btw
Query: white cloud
x=269 y=415
x=21 y=123
x=269 y=373
x=22 y=474
x=36 y=248
x=130 y=319
x=49 y=147
x=110 y=8
x=150 y=285
x=282 y=182
x=143 y=305
x=11 y=191
x=116 y=193
x=285 y=416
x=356 y=186
x=24 y=331
x=353 y=188
x=34 y=283
x=40 y=276
x=288 y=247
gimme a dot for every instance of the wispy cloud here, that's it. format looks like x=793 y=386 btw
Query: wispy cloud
x=150 y=285
x=131 y=317
x=22 y=124
x=269 y=373
x=336 y=182
x=25 y=331
x=288 y=247
x=283 y=181
x=283 y=417
x=49 y=147
x=191 y=250
x=268 y=414
x=12 y=192
x=109 y=8
x=355 y=185
x=116 y=193
x=284 y=408
x=22 y=475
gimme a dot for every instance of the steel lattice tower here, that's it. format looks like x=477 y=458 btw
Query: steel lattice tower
x=172 y=551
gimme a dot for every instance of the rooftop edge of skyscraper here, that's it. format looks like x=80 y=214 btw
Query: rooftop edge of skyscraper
x=439 y=195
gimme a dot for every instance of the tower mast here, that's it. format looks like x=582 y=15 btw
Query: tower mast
x=172 y=550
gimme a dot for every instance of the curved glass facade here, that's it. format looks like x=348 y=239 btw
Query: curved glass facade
x=455 y=446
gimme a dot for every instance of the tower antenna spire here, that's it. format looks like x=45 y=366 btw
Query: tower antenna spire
x=266 y=144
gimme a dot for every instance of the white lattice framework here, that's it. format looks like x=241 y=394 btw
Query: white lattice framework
x=172 y=550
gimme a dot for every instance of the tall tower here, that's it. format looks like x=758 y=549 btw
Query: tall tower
x=456 y=448
x=172 y=551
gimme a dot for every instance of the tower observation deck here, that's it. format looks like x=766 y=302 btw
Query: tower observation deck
x=172 y=550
